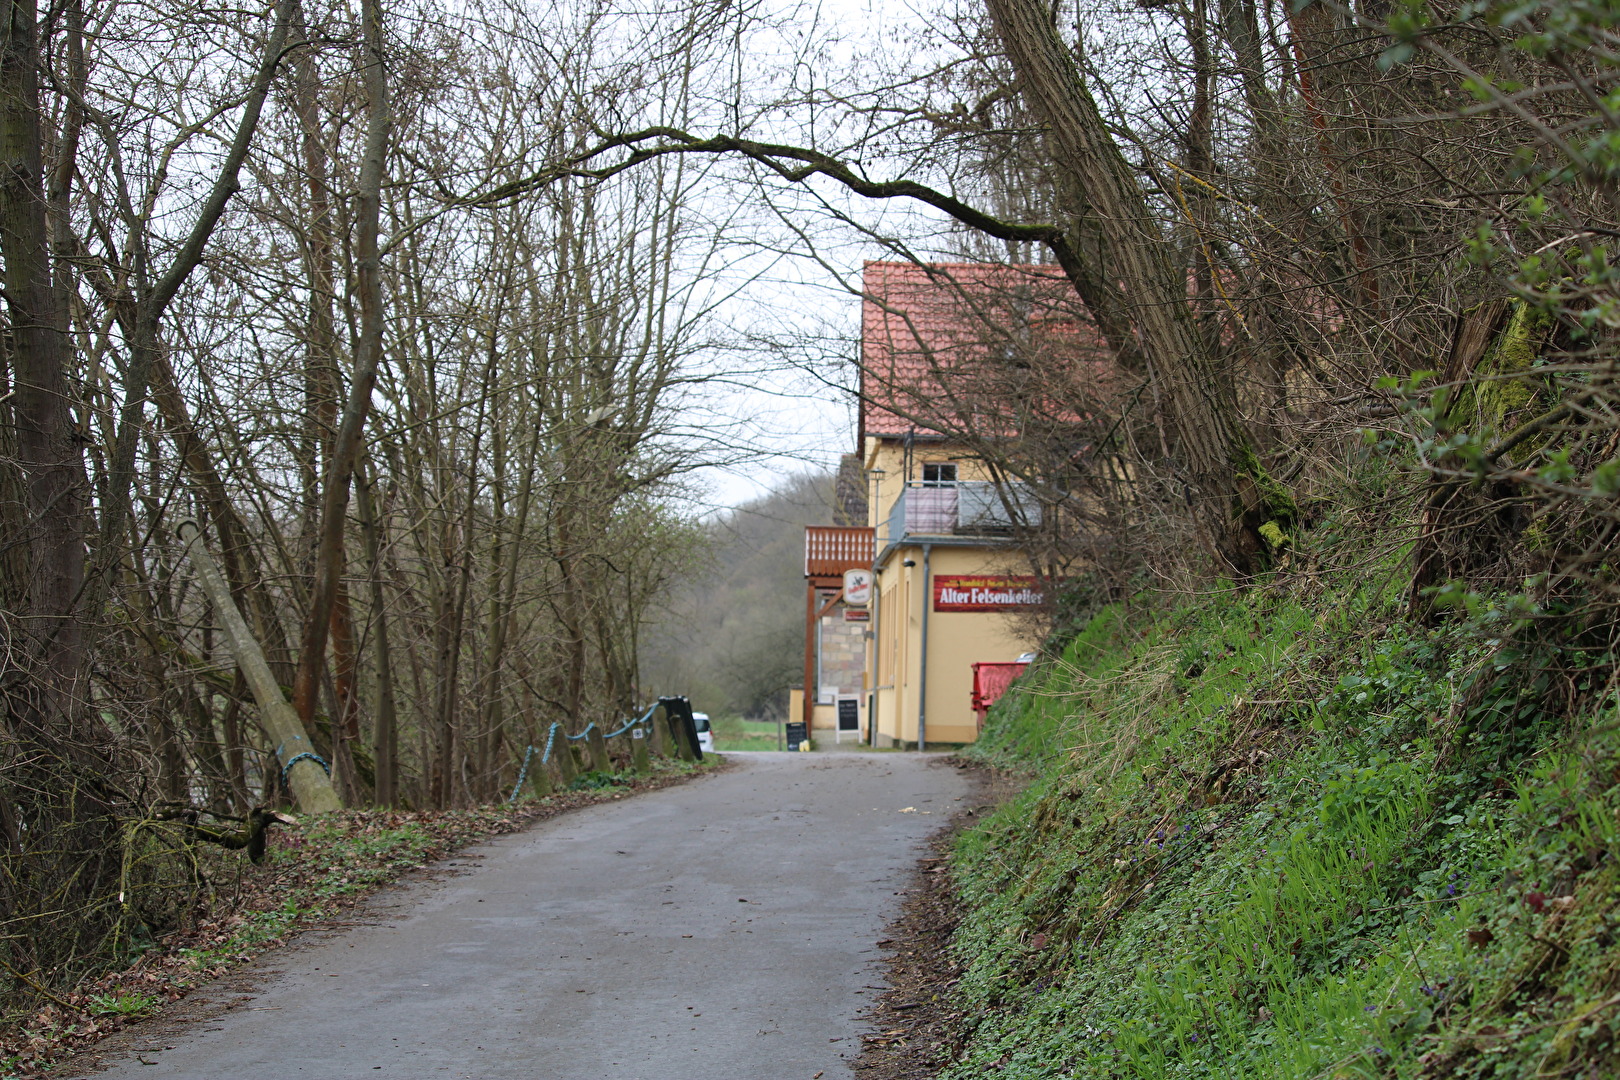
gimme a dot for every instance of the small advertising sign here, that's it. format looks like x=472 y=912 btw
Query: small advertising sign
x=857 y=587
x=849 y=714
x=986 y=593
x=848 y=719
x=857 y=615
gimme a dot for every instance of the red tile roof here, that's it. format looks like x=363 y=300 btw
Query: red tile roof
x=949 y=347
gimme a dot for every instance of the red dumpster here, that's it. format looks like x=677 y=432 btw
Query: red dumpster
x=990 y=681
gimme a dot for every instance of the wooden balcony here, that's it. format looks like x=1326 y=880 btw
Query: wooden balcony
x=829 y=550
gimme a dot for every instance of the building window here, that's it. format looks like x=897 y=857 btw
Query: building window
x=939 y=473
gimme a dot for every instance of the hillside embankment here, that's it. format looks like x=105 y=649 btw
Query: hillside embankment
x=1283 y=831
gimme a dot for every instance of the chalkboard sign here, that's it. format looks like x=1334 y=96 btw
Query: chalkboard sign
x=796 y=734
x=849 y=714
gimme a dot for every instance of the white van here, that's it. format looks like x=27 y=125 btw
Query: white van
x=705 y=732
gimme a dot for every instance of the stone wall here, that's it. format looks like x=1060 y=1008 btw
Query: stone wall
x=843 y=653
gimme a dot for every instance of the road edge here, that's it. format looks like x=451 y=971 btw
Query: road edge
x=916 y=1029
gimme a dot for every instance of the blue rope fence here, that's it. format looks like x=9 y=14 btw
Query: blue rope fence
x=296 y=758
x=551 y=742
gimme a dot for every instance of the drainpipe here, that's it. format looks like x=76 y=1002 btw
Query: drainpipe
x=808 y=704
x=877 y=659
x=922 y=674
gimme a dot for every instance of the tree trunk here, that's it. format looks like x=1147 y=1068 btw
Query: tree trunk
x=321 y=380
x=304 y=775
x=231 y=729
x=385 y=728
x=460 y=591
x=237 y=554
x=346 y=714
x=1308 y=26
x=1228 y=496
x=368 y=357
x=1198 y=150
x=46 y=695
x=61 y=841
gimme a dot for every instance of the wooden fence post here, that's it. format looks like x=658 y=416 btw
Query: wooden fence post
x=683 y=744
x=638 y=750
x=539 y=776
x=563 y=755
x=658 y=730
x=678 y=712
x=596 y=740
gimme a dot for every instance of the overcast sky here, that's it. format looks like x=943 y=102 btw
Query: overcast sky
x=789 y=325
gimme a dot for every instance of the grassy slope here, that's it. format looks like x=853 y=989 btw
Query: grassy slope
x=1281 y=833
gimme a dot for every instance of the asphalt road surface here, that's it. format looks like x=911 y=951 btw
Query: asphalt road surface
x=720 y=930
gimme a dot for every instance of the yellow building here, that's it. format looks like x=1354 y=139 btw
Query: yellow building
x=957 y=361
x=950 y=589
x=954 y=357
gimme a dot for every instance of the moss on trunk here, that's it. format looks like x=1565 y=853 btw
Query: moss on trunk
x=1503 y=393
x=1265 y=508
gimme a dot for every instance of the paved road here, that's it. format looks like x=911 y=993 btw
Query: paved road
x=607 y=943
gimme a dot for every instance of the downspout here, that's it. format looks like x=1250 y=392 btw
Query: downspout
x=877 y=659
x=808 y=696
x=922 y=672
x=877 y=610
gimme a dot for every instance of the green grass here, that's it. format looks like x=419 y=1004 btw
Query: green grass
x=1280 y=836
x=335 y=861
x=597 y=780
x=123 y=1003
x=735 y=733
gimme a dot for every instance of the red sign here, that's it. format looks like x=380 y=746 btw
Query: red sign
x=975 y=593
x=857 y=615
